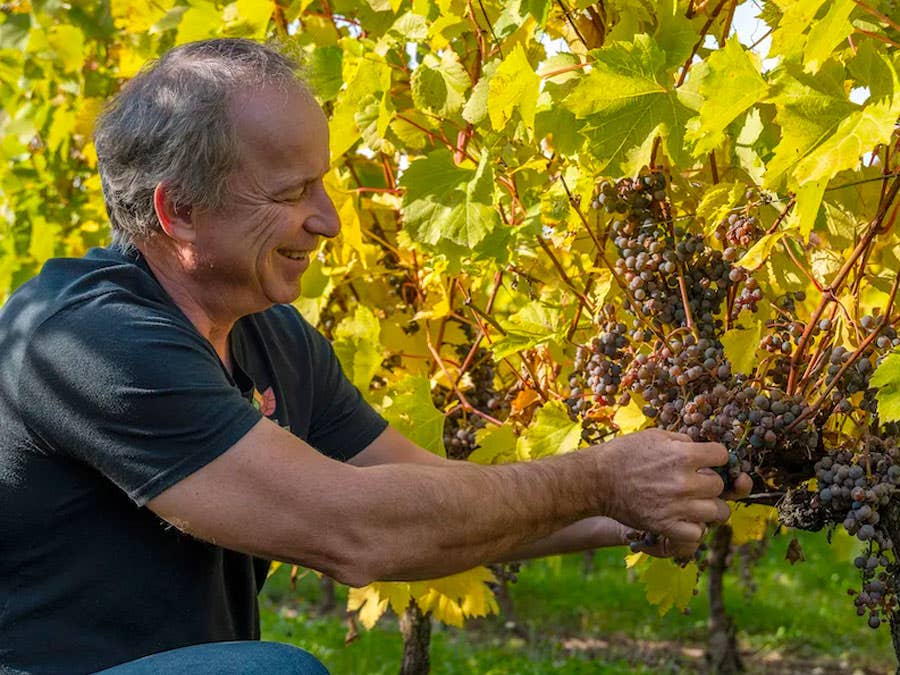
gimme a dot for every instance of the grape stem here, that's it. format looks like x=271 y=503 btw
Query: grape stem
x=853 y=358
x=829 y=292
x=468 y=407
x=565 y=277
x=703 y=31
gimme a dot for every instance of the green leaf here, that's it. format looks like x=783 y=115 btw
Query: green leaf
x=200 y=21
x=445 y=201
x=476 y=108
x=14 y=31
x=716 y=204
x=626 y=106
x=514 y=85
x=808 y=110
x=887 y=379
x=429 y=91
x=827 y=33
x=788 y=39
x=496 y=445
x=855 y=136
x=534 y=324
x=630 y=418
x=551 y=433
x=409 y=409
x=740 y=347
x=68 y=43
x=358 y=347
x=732 y=84
x=324 y=71
x=872 y=69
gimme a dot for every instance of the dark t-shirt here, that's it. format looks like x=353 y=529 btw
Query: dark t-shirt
x=108 y=396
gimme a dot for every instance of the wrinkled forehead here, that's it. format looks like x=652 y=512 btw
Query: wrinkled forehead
x=278 y=127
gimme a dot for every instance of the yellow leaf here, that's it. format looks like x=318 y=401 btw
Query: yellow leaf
x=749 y=523
x=130 y=63
x=809 y=199
x=457 y=597
x=740 y=347
x=68 y=43
x=368 y=602
x=760 y=251
x=514 y=85
x=200 y=21
x=256 y=14
x=634 y=559
x=87 y=114
x=630 y=417
x=669 y=585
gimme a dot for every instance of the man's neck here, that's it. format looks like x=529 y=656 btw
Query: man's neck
x=211 y=319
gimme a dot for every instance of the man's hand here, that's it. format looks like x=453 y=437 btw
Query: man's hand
x=662 y=482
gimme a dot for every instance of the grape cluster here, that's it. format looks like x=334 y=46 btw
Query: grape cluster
x=853 y=489
x=460 y=426
x=739 y=231
x=660 y=264
x=597 y=375
x=668 y=358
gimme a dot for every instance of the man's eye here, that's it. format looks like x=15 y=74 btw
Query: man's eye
x=293 y=196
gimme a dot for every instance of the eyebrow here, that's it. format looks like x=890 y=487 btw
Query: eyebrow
x=297 y=182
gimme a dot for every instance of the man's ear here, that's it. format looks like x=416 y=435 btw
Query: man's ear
x=175 y=220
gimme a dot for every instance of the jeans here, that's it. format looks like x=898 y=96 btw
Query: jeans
x=225 y=658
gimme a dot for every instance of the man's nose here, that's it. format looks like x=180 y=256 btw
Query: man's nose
x=325 y=221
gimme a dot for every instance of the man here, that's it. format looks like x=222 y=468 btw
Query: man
x=144 y=486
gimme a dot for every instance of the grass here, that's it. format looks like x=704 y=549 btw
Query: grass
x=800 y=617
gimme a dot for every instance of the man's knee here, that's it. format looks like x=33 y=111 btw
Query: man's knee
x=225 y=658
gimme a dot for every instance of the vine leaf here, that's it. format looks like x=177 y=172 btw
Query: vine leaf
x=760 y=251
x=740 y=347
x=749 y=522
x=445 y=201
x=552 y=433
x=626 y=106
x=630 y=417
x=887 y=379
x=731 y=84
x=449 y=599
x=513 y=85
x=496 y=445
x=666 y=584
x=534 y=324
x=809 y=110
x=408 y=408
x=828 y=33
x=358 y=347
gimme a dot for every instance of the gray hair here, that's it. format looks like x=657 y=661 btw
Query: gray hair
x=170 y=124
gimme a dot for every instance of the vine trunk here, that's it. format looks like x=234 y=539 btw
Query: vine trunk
x=722 y=654
x=415 y=626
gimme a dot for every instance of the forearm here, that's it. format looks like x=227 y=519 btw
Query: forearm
x=429 y=521
x=585 y=534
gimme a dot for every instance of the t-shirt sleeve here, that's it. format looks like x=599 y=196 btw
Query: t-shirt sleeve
x=342 y=423
x=133 y=391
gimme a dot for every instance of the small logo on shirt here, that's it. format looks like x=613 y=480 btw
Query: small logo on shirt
x=264 y=402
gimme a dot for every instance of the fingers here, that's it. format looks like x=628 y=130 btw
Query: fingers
x=740 y=488
x=709 y=483
x=705 y=454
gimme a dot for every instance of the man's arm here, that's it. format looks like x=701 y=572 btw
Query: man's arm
x=273 y=495
x=392 y=447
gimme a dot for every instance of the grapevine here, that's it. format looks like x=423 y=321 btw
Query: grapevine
x=671 y=360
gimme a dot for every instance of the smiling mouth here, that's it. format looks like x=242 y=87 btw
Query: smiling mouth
x=293 y=255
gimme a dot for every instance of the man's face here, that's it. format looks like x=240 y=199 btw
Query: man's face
x=256 y=247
